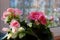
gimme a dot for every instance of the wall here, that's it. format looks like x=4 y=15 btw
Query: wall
x=4 y=4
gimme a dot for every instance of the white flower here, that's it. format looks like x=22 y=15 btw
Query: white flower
x=9 y=35
x=21 y=29
x=21 y=35
x=14 y=30
x=29 y=24
x=14 y=35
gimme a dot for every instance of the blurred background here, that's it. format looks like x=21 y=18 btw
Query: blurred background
x=50 y=7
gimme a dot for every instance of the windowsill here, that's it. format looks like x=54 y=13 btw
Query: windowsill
x=57 y=38
x=56 y=33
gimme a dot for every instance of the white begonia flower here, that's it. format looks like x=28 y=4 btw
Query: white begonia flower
x=29 y=24
x=14 y=35
x=21 y=35
x=14 y=30
x=9 y=35
x=21 y=29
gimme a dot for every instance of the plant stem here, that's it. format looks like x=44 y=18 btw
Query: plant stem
x=32 y=33
x=35 y=35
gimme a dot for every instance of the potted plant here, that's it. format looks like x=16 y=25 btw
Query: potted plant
x=36 y=29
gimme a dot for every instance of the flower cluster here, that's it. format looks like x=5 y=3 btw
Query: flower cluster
x=12 y=17
x=38 y=16
x=18 y=28
x=11 y=10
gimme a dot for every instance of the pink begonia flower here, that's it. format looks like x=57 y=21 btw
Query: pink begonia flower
x=34 y=15
x=5 y=14
x=18 y=12
x=38 y=16
x=14 y=23
x=51 y=18
x=11 y=10
x=43 y=20
x=5 y=29
x=36 y=22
